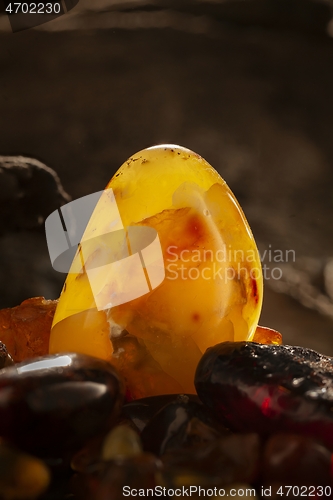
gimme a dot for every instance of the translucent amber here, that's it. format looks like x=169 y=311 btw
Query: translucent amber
x=264 y=335
x=209 y=290
x=25 y=329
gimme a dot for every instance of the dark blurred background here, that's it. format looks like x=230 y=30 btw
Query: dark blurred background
x=248 y=84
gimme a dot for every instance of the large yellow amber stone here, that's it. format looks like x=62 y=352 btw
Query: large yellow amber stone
x=200 y=281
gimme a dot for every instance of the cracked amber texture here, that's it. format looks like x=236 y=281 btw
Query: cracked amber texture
x=25 y=329
x=212 y=290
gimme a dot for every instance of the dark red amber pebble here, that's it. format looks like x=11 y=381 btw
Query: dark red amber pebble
x=296 y=460
x=182 y=423
x=269 y=388
x=52 y=405
x=141 y=411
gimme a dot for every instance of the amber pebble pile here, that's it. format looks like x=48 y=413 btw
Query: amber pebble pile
x=70 y=411
x=168 y=387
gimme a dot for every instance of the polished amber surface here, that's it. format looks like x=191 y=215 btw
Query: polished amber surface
x=52 y=405
x=268 y=389
x=212 y=289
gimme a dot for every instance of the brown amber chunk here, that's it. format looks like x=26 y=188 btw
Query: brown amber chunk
x=269 y=388
x=138 y=413
x=25 y=329
x=264 y=335
x=181 y=424
x=54 y=404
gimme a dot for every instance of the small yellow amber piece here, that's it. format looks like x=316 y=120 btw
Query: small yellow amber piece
x=156 y=325
x=264 y=335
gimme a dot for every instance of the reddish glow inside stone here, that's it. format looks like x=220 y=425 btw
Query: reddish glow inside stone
x=200 y=279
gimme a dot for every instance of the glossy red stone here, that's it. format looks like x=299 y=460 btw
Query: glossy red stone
x=52 y=405
x=269 y=388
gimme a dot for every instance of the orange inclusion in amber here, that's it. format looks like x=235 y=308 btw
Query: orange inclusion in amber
x=212 y=291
